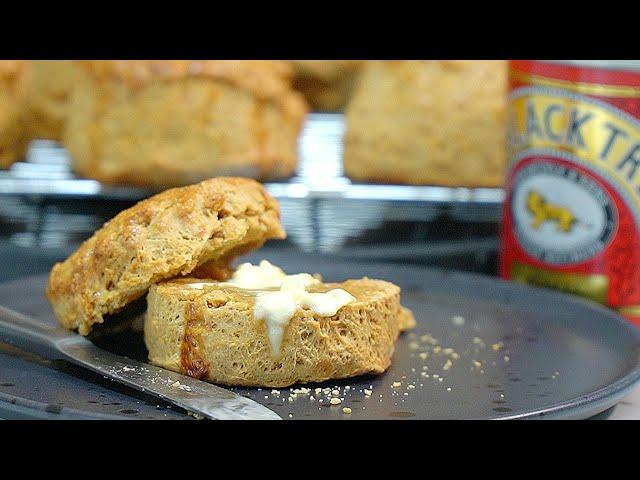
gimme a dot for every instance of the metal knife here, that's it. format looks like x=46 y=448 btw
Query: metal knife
x=193 y=395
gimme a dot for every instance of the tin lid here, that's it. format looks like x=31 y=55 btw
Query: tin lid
x=631 y=65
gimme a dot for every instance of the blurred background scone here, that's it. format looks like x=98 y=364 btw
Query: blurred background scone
x=12 y=95
x=49 y=87
x=326 y=84
x=164 y=123
x=428 y=122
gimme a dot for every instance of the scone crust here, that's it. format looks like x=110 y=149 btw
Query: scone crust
x=167 y=235
x=49 y=87
x=326 y=84
x=428 y=122
x=13 y=141
x=211 y=334
x=167 y=123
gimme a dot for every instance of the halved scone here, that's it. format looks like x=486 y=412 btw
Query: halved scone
x=209 y=330
x=165 y=236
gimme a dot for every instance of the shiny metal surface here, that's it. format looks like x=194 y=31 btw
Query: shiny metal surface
x=46 y=171
x=195 y=396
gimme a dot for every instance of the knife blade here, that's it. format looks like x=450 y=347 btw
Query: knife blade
x=196 y=396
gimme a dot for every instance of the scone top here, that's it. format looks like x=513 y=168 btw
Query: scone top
x=168 y=235
x=268 y=80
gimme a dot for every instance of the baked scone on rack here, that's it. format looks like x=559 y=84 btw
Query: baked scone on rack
x=254 y=325
x=422 y=122
x=13 y=142
x=173 y=122
x=326 y=84
x=49 y=87
x=291 y=329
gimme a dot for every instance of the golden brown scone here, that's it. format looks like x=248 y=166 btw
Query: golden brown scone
x=326 y=84
x=428 y=122
x=49 y=87
x=172 y=122
x=13 y=142
x=211 y=334
x=167 y=235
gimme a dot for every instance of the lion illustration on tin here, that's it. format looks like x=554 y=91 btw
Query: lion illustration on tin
x=544 y=211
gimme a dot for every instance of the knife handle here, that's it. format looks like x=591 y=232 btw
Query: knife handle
x=22 y=332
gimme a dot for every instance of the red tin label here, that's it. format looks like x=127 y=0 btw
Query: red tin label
x=571 y=219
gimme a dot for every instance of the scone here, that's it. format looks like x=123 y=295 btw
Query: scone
x=165 y=236
x=428 y=122
x=210 y=331
x=173 y=122
x=49 y=87
x=12 y=96
x=326 y=84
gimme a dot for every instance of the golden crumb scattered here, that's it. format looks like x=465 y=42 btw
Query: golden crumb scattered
x=497 y=346
x=346 y=410
x=335 y=401
x=396 y=384
x=424 y=355
x=367 y=392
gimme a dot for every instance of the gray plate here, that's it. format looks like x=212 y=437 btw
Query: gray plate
x=555 y=356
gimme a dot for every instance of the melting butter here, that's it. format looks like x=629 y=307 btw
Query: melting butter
x=277 y=307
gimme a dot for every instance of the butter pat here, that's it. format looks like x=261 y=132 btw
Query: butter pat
x=277 y=308
x=279 y=296
x=256 y=277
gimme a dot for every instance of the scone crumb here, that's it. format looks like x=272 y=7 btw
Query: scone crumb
x=346 y=410
x=457 y=320
x=367 y=392
x=396 y=384
x=335 y=401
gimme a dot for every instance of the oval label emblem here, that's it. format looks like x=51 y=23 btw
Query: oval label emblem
x=560 y=215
